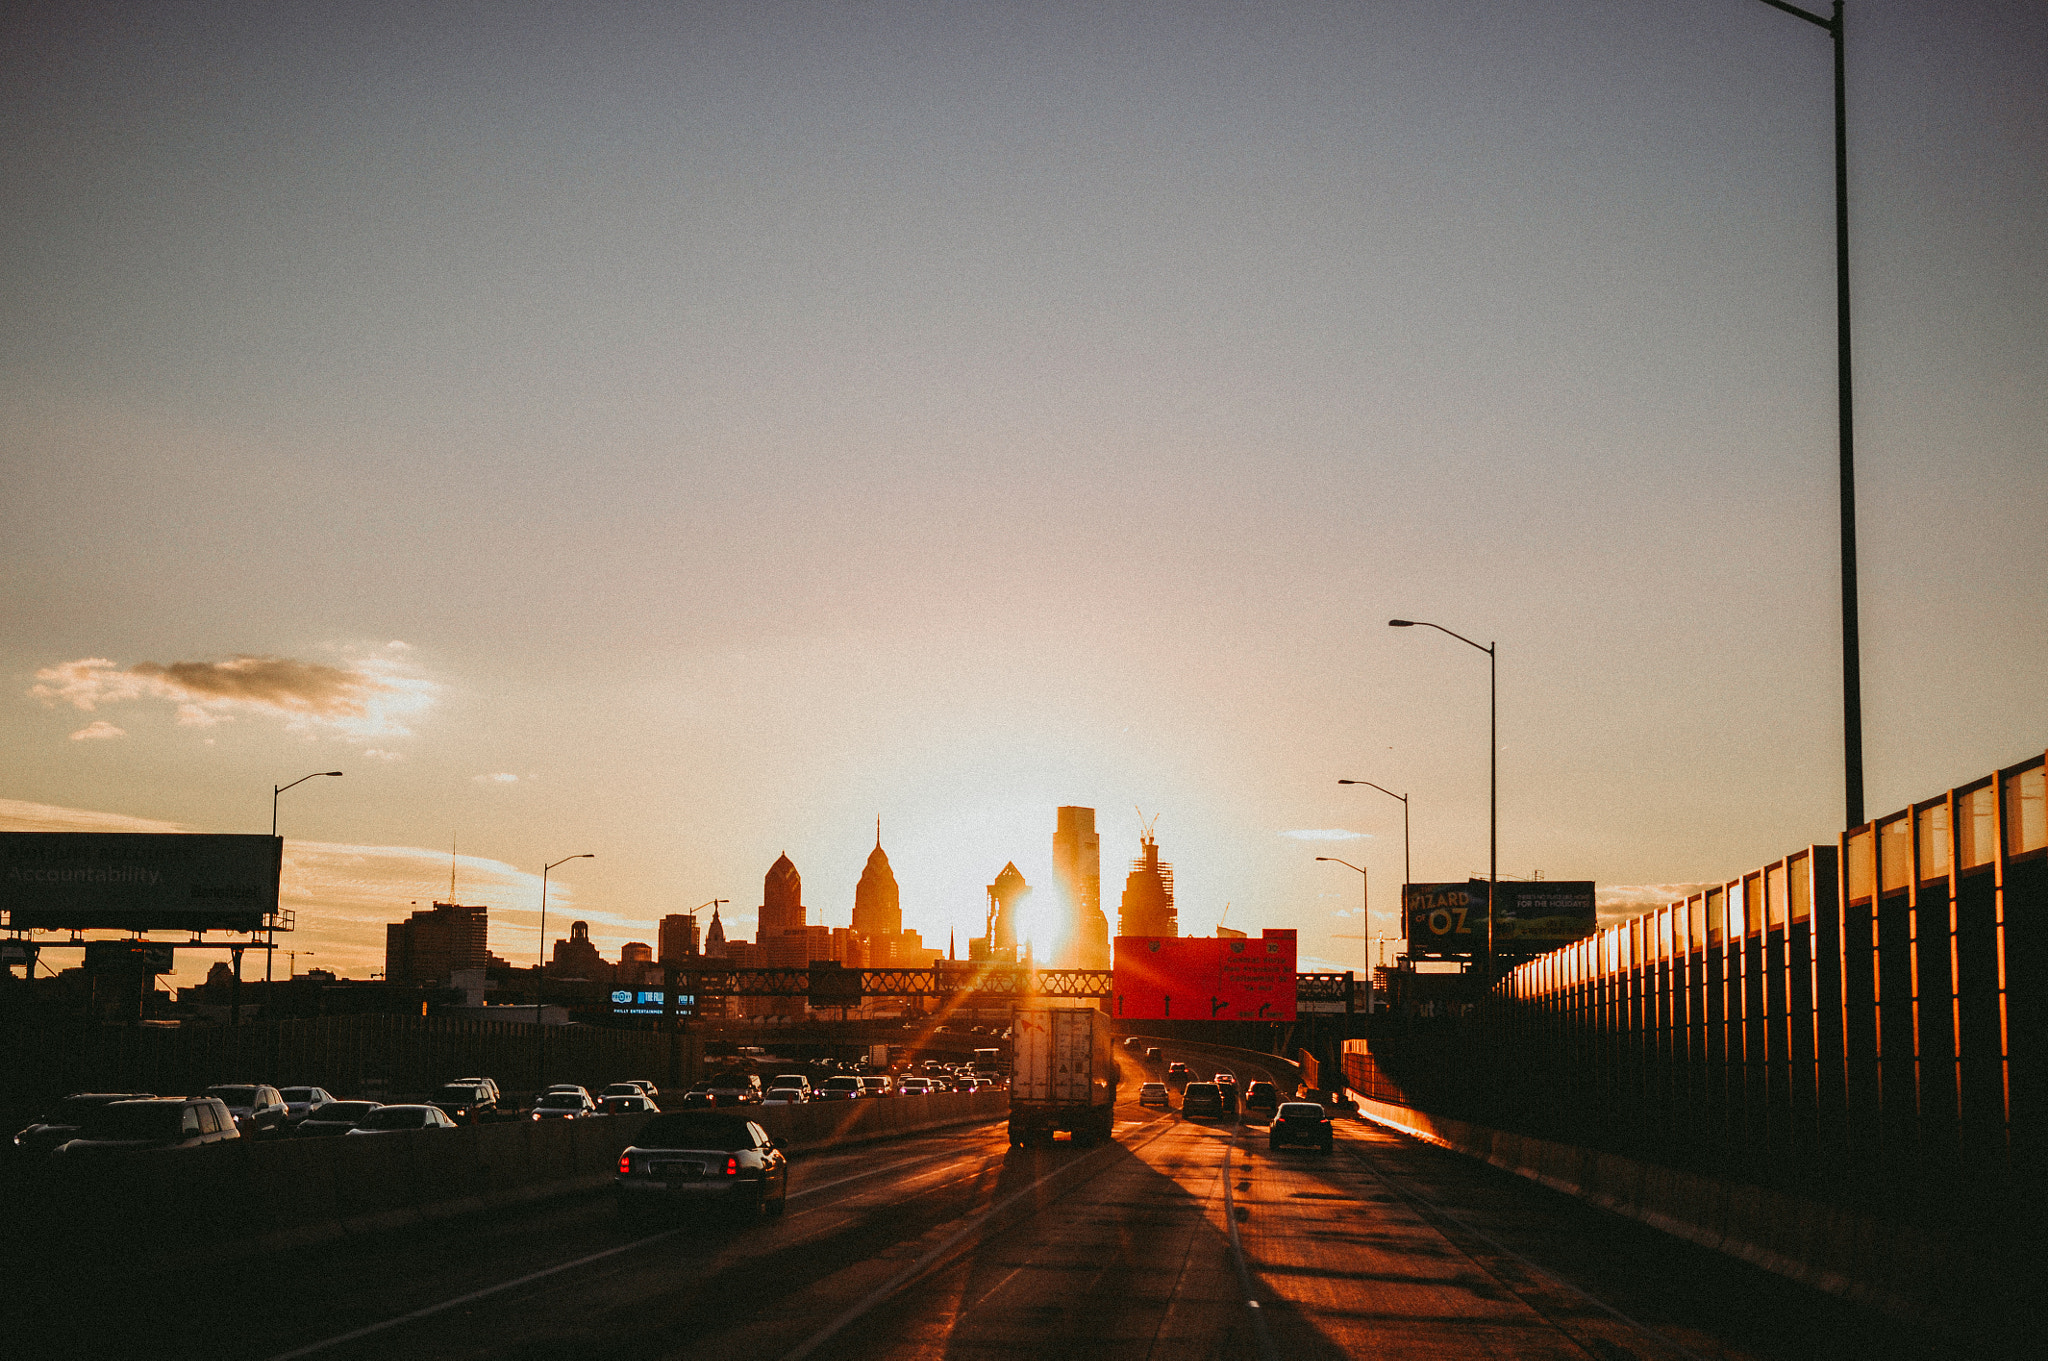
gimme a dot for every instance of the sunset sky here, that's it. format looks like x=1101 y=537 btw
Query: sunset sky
x=684 y=433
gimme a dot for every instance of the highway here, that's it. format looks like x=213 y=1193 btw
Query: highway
x=1180 y=1239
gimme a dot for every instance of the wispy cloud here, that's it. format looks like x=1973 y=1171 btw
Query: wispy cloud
x=19 y=815
x=502 y=777
x=1618 y=902
x=99 y=730
x=1327 y=834
x=363 y=697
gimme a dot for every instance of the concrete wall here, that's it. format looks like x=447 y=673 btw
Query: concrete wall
x=247 y=1197
x=1904 y=1272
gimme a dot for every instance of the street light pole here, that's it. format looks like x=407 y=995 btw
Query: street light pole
x=1492 y=766
x=271 y=942
x=1364 y=906
x=540 y=976
x=1852 y=664
x=1407 y=871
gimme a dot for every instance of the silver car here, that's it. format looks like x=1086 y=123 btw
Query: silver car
x=702 y=1160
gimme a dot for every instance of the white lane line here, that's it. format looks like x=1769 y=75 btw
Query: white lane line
x=456 y=1303
x=471 y=1297
x=924 y=1263
x=1244 y=1271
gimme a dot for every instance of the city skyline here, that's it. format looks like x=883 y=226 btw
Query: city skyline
x=678 y=435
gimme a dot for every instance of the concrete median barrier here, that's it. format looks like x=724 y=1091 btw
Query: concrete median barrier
x=245 y=1198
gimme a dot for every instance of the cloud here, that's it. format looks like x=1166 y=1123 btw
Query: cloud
x=1327 y=834
x=1618 y=902
x=18 y=815
x=365 y=697
x=99 y=730
x=502 y=777
x=377 y=754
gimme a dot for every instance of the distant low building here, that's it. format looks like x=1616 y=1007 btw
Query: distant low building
x=429 y=946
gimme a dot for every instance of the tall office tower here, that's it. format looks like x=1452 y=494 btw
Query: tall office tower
x=877 y=903
x=1005 y=900
x=782 y=900
x=427 y=946
x=1148 y=895
x=678 y=937
x=1077 y=869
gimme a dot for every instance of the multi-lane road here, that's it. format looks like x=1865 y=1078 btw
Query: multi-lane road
x=1178 y=1240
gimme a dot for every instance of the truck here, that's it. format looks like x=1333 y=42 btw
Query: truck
x=1062 y=1075
x=878 y=1058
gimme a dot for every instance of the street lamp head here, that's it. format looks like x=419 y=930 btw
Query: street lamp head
x=330 y=772
x=1400 y=623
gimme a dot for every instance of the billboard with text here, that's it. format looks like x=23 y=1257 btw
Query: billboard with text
x=1530 y=918
x=138 y=881
x=1446 y=919
x=1175 y=978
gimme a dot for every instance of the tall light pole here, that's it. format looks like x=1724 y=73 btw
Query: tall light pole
x=276 y=790
x=1407 y=872
x=1364 y=906
x=1492 y=767
x=540 y=975
x=1852 y=666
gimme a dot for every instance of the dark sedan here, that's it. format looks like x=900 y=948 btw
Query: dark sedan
x=336 y=1117
x=1302 y=1122
x=702 y=1160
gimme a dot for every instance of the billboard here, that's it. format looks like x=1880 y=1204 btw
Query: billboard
x=1529 y=918
x=1170 y=978
x=1446 y=919
x=650 y=1002
x=138 y=881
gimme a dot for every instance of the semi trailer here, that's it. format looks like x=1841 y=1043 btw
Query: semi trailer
x=1062 y=1075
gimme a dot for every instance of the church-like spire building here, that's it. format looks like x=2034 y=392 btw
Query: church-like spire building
x=782 y=900
x=877 y=902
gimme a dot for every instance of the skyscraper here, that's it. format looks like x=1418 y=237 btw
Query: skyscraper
x=1077 y=869
x=678 y=937
x=877 y=902
x=782 y=900
x=1005 y=897
x=427 y=946
x=1148 y=895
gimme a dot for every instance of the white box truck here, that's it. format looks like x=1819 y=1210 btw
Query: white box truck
x=1062 y=1075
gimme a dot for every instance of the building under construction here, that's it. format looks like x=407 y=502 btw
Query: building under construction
x=1148 y=895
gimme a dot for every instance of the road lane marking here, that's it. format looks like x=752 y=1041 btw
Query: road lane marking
x=429 y=1311
x=1244 y=1272
x=923 y=1264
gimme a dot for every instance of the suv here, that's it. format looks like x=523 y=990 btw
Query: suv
x=466 y=1103
x=61 y=1123
x=736 y=1089
x=489 y=1085
x=1154 y=1094
x=1179 y=1072
x=1201 y=1101
x=1261 y=1096
x=256 y=1106
x=1302 y=1122
x=154 y=1124
x=796 y=1080
x=878 y=1084
x=844 y=1087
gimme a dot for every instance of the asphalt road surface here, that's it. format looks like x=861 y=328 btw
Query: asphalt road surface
x=1181 y=1239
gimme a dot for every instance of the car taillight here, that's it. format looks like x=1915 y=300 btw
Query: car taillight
x=732 y=1165
x=625 y=1164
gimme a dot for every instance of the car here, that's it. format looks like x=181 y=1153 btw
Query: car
x=1152 y=1054
x=970 y=1084
x=465 y=1103
x=914 y=1086
x=785 y=1096
x=1261 y=1096
x=1225 y=1079
x=796 y=1080
x=152 y=1125
x=647 y=1089
x=399 y=1119
x=567 y=1087
x=878 y=1084
x=1302 y=1122
x=61 y=1123
x=1201 y=1101
x=573 y=1104
x=700 y=1095
x=1178 y=1072
x=490 y=1085
x=621 y=1089
x=1155 y=1094
x=702 y=1160
x=842 y=1087
x=258 y=1110
x=336 y=1117
x=736 y=1089
x=299 y=1100
x=622 y=1103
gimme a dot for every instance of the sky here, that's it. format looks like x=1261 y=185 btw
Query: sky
x=683 y=434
